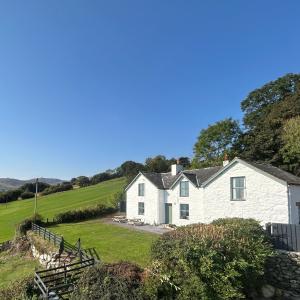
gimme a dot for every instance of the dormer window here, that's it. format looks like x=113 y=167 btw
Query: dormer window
x=238 y=188
x=141 y=191
x=184 y=188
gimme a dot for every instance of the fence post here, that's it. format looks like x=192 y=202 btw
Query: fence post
x=79 y=249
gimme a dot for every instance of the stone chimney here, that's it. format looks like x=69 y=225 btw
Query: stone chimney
x=225 y=161
x=176 y=168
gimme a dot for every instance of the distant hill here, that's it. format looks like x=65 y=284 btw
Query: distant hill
x=11 y=183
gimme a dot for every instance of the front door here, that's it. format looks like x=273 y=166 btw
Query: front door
x=168 y=213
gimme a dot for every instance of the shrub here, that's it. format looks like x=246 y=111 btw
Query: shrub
x=26 y=224
x=27 y=195
x=83 y=214
x=209 y=261
x=110 y=281
x=22 y=289
x=65 y=186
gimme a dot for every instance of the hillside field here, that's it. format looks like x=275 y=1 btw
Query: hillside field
x=50 y=205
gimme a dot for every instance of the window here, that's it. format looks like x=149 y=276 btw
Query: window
x=184 y=211
x=141 y=189
x=238 y=187
x=141 y=208
x=184 y=188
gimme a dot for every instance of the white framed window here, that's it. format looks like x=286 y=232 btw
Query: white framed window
x=141 y=208
x=184 y=211
x=238 y=188
x=141 y=189
x=184 y=188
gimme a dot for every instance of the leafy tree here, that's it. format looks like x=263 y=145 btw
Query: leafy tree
x=185 y=162
x=130 y=169
x=265 y=116
x=214 y=141
x=291 y=149
x=258 y=103
x=82 y=181
x=158 y=164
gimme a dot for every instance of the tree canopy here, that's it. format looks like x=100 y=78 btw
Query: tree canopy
x=214 y=141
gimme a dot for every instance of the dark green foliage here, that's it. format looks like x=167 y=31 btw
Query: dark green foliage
x=104 y=176
x=208 y=261
x=82 y=181
x=10 y=196
x=27 y=195
x=266 y=112
x=26 y=224
x=119 y=281
x=30 y=187
x=65 y=186
x=83 y=214
x=130 y=169
x=19 y=290
x=214 y=142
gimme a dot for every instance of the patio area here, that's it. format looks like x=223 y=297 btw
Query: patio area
x=159 y=229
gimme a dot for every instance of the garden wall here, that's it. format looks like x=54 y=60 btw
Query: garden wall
x=283 y=275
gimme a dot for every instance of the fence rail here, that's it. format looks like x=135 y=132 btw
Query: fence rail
x=56 y=282
x=284 y=236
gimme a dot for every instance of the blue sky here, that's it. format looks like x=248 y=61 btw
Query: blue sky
x=86 y=85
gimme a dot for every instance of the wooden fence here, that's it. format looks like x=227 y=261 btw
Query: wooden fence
x=284 y=236
x=56 y=282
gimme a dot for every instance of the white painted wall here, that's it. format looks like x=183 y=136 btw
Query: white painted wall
x=195 y=201
x=294 y=198
x=150 y=199
x=266 y=197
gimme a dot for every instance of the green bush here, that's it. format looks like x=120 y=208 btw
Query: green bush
x=65 y=186
x=22 y=289
x=27 y=195
x=83 y=214
x=26 y=224
x=209 y=261
x=120 y=281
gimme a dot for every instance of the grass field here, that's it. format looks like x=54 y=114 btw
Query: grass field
x=50 y=205
x=15 y=267
x=113 y=243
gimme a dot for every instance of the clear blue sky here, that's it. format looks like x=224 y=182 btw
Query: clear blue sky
x=86 y=85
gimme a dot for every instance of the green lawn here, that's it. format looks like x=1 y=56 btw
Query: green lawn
x=50 y=205
x=15 y=267
x=113 y=243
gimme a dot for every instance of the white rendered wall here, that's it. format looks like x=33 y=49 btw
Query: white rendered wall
x=294 y=198
x=195 y=201
x=266 y=197
x=150 y=199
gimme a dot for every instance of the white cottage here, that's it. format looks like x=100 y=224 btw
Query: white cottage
x=237 y=189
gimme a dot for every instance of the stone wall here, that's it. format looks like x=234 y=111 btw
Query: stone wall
x=283 y=275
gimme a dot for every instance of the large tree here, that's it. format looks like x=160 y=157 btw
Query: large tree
x=158 y=164
x=130 y=169
x=214 y=141
x=266 y=111
x=291 y=144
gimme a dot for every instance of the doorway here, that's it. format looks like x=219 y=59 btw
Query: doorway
x=168 y=213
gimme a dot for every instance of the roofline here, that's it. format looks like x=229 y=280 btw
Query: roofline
x=132 y=181
x=235 y=160
x=182 y=174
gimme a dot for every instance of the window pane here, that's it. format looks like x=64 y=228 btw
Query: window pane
x=141 y=189
x=238 y=182
x=184 y=188
x=184 y=211
x=141 y=208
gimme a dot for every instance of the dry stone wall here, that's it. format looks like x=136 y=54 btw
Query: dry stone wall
x=283 y=274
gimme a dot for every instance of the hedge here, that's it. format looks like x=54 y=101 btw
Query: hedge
x=224 y=260
x=83 y=214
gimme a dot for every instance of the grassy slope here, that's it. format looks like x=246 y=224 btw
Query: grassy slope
x=50 y=205
x=15 y=267
x=113 y=243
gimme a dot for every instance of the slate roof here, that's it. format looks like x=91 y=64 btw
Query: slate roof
x=276 y=172
x=164 y=181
